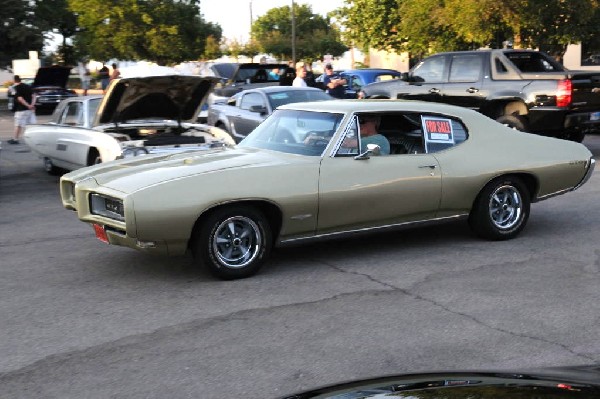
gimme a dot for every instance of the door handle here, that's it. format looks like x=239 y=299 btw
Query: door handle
x=472 y=90
x=434 y=91
x=428 y=166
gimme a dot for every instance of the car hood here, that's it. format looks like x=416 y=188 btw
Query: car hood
x=172 y=97
x=55 y=75
x=131 y=175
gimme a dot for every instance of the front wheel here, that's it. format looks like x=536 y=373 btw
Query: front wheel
x=233 y=242
x=50 y=168
x=501 y=210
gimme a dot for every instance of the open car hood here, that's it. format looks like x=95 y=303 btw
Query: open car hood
x=55 y=75
x=172 y=97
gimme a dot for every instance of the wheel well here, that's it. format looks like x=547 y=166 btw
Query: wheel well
x=530 y=182
x=92 y=155
x=271 y=212
x=499 y=108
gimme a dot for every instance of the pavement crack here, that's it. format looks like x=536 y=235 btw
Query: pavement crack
x=457 y=313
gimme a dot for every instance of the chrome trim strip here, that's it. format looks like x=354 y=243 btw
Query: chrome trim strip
x=366 y=230
x=588 y=174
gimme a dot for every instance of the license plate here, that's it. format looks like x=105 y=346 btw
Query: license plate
x=595 y=116
x=100 y=233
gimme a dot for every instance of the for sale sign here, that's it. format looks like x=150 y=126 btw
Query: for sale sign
x=438 y=130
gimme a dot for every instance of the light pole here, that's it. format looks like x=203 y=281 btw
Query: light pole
x=293 y=37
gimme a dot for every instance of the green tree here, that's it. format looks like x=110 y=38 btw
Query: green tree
x=212 y=49
x=551 y=25
x=164 y=31
x=315 y=36
x=18 y=31
x=426 y=26
x=54 y=16
x=371 y=24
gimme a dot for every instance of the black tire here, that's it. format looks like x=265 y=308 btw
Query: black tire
x=513 y=122
x=50 y=168
x=233 y=242
x=574 y=136
x=501 y=209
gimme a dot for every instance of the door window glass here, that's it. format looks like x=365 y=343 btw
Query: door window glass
x=251 y=99
x=430 y=70
x=465 y=68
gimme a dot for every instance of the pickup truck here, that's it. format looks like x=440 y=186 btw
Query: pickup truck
x=523 y=89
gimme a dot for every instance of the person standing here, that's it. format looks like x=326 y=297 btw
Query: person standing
x=334 y=84
x=116 y=74
x=300 y=75
x=104 y=76
x=24 y=108
x=85 y=81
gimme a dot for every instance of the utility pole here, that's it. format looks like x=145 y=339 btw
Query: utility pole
x=293 y=37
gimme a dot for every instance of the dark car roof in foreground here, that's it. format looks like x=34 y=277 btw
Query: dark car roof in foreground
x=566 y=382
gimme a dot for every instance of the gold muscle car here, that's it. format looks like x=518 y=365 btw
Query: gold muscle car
x=307 y=172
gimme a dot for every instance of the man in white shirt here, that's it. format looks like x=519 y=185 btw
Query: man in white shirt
x=300 y=75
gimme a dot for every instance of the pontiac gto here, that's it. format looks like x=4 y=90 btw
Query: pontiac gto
x=303 y=174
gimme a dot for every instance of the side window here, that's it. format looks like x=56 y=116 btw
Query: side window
x=72 y=115
x=465 y=68
x=412 y=133
x=349 y=144
x=441 y=132
x=430 y=70
x=357 y=82
x=251 y=99
x=500 y=67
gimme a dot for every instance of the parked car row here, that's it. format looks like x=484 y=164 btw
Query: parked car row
x=137 y=116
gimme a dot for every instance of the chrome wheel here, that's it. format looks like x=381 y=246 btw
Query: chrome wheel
x=505 y=207
x=237 y=241
x=232 y=241
x=501 y=209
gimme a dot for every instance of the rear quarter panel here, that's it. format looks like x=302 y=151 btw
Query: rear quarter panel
x=493 y=150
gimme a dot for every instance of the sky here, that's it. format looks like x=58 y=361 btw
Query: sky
x=234 y=15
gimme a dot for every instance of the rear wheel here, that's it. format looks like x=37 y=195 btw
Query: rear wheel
x=501 y=210
x=233 y=242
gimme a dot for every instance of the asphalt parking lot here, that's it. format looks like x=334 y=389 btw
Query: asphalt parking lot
x=83 y=319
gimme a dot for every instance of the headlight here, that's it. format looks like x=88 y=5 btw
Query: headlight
x=130 y=152
x=107 y=206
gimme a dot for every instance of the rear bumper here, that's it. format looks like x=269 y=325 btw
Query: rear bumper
x=547 y=120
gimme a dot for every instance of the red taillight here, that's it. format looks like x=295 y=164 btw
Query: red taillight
x=564 y=95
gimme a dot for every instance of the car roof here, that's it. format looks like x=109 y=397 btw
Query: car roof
x=374 y=106
x=276 y=89
x=371 y=70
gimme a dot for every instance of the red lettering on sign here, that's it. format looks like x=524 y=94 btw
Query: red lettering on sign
x=438 y=126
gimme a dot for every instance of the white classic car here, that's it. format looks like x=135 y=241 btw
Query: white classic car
x=137 y=116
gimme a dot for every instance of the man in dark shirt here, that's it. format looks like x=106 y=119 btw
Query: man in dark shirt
x=24 y=108
x=334 y=84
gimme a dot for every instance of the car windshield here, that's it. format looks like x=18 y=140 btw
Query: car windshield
x=296 y=96
x=295 y=132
